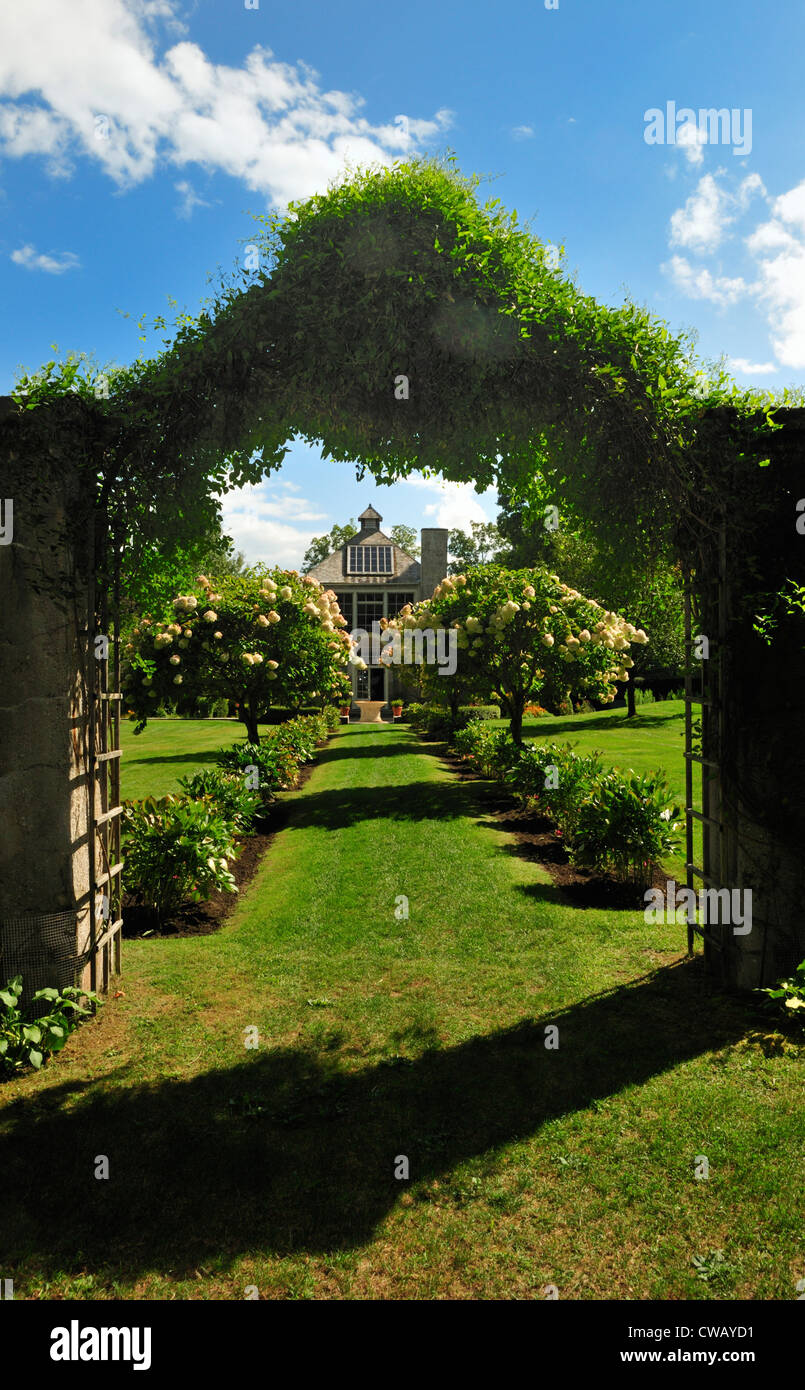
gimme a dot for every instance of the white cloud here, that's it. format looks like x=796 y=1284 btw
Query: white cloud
x=190 y=199
x=782 y=288
x=114 y=99
x=690 y=138
x=700 y=224
x=698 y=283
x=746 y=368
x=31 y=259
x=456 y=504
x=523 y=132
x=779 y=247
x=276 y=529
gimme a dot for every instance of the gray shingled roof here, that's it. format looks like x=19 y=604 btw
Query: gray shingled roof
x=333 y=570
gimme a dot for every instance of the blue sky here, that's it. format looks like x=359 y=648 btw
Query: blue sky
x=136 y=136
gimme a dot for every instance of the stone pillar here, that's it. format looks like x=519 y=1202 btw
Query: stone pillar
x=44 y=849
x=433 y=564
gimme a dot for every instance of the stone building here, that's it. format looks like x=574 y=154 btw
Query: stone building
x=373 y=578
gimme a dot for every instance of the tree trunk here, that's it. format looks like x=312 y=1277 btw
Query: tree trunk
x=630 y=704
x=248 y=716
x=516 y=725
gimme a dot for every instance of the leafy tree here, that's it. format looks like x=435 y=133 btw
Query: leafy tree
x=525 y=630
x=649 y=588
x=153 y=573
x=480 y=547
x=268 y=636
x=322 y=546
x=405 y=537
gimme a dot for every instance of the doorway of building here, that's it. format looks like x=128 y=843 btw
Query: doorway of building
x=371 y=684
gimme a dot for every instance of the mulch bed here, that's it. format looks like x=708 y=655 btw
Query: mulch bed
x=201 y=919
x=535 y=838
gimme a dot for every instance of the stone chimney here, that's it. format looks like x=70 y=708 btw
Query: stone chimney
x=434 y=557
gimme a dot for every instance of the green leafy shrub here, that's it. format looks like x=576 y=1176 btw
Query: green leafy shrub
x=527 y=776
x=643 y=697
x=787 y=997
x=227 y=792
x=625 y=824
x=276 y=768
x=490 y=749
x=177 y=851
x=29 y=1041
x=553 y=778
x=332 y=717
x=467 y=712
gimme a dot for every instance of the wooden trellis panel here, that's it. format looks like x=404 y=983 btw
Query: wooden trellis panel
x=704 y=687
x=104 y=753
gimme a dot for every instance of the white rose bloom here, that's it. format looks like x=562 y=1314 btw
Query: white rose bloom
x=177 y=680
x=257 y=659
x=217 y=636
x=286 y=591
x=530 y=591
x=547 y=639
x=175 y=660
x=273 y=617
x=210 y=616
x=248 y=658
x=272 y=664
x=262 y=620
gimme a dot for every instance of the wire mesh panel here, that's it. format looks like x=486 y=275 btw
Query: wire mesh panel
x=42 y=949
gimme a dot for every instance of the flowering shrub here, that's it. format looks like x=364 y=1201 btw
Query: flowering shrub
x=177 y=851
x=525 y=630
x=266 y=637
x=626 y=823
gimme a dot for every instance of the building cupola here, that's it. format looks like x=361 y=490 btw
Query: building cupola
x=370 y=520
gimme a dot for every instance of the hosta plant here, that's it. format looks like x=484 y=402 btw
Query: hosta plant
x=788 y=996
x=28 y=1036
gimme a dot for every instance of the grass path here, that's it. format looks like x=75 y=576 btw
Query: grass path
x=384 y=1037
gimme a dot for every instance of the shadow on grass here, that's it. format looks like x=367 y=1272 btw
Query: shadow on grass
x=286 y=1151
x=342 y=806
x=370 y=750
x=204 y=756
x=564 y=733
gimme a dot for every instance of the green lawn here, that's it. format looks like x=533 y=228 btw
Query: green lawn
x=383 y=1036
x=168 y=749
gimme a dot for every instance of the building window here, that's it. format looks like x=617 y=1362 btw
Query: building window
x=398 y=601
x=370 y=609
x=345 y=604
x=369 y=559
